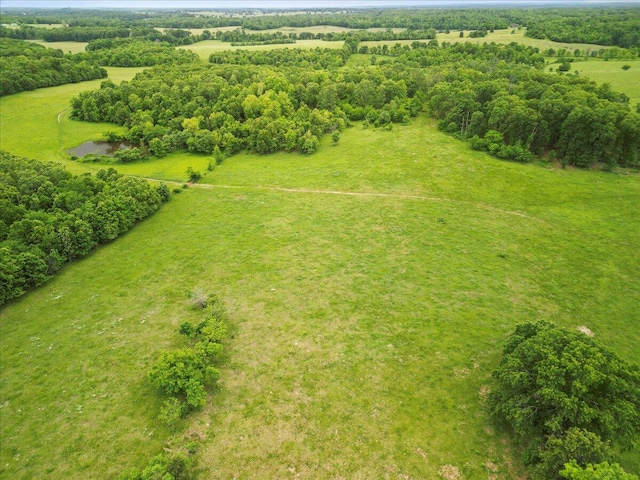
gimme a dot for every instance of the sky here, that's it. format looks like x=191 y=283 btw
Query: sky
x=293 y=4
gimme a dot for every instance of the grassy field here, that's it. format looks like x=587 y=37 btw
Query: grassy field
x=498 y=36
x=207 y=47
x=611 y=72
x=66 y=47
x=369 y=287
x=44 y=114
x=505 y=36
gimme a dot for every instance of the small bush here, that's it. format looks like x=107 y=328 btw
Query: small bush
x=172 y=411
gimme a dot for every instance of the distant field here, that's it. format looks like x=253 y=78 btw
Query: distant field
x=66 y=47
x=505 y=36
x=611 y=72
x=498 y=36
x=369 y=288
x=205 y=48
x=39 y=25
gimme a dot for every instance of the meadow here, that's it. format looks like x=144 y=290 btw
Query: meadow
x=369 y=288
x=611 y=72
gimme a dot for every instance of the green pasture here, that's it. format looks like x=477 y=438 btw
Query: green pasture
x=369 y=288
x=66 y=47
x=37 y=125
x=498 y=36
x=611 y=72
x=206 y=47
x=505 y=36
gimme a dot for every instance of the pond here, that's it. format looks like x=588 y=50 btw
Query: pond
x=98 y=148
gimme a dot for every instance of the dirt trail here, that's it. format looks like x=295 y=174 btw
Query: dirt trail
x=351 y=194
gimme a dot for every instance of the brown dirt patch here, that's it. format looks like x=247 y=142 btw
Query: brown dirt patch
x=450 y=472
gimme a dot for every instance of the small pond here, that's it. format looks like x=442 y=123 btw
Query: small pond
x=98 y=148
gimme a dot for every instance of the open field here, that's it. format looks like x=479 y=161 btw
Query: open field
x=66 y=47
x=36 y=124
x=369 y=287
x=611 y=72
x=205 y=48
x=505 y=36
x=498 y=36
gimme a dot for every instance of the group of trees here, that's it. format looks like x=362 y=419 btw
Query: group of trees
x=26 y=66
x=49 y=217
x=496 y=96
x=569 y=401
x=513 y=111
x=207 y=107
x=135 y=52
x=619 y=27
x=317 y=59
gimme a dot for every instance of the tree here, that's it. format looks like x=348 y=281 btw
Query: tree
x=626 y=67
x=599 y=471
x=194 y=176
x=184 y=372
x=335 y=137
x=579 y=446
x=551 y=379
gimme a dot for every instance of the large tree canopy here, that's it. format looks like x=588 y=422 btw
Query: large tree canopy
x=565 y=396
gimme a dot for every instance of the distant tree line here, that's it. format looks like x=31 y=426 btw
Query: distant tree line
x=495 y=96
x=49 y=217
x=26 y=66
x=318 y=58
x=602 y=26
x=613 y=26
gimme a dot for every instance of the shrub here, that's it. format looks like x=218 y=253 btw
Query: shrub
x=600 y=471
x=184 y=372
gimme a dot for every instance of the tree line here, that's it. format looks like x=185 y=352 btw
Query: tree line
x=49 y=217
x=26 y=66
x=612 y=26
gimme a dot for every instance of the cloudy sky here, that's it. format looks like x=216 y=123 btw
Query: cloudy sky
x=297 y=4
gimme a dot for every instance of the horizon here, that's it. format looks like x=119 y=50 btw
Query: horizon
x=292 y=4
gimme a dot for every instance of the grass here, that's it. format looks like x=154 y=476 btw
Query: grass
x=46 y=111
x=66 y=47
x=206 y=47
x=498 y=36
x=364 y=327
x=611 y=72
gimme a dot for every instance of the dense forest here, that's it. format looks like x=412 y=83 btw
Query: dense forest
x=613 y=26
x=496 y=96
x=49 y=217
x=25 y=66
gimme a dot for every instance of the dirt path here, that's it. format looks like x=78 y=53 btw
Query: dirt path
x=351 y=194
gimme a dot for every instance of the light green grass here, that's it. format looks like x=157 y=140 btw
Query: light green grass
x=66 y=47
x=611 y=72
x=505 y=36
x=498 y=36
x=364 y=327
x=206 y=47
x=47 y=26
x=36 y=124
